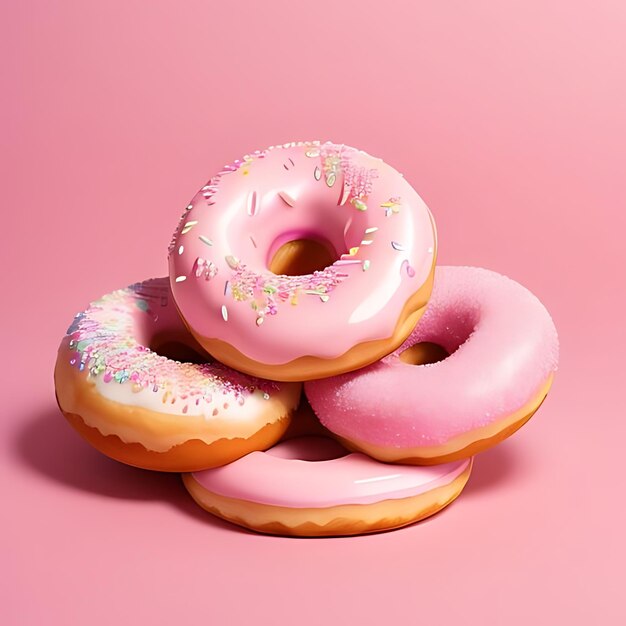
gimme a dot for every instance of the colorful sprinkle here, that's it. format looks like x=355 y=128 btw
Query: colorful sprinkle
x=204 y=268
x=345 y=195
x=347 y=262
x=180 y=279
x=188 y=226
x=266 y=291
x=205 y=240
x=253 y=204
x=317 y=173
x=181 y=249
x=103 y=341
x=357 y=181
x=392 y=206
x=397 y=246
x=224 y=312
x=232 y=261
x=286 y=198
x=366 y=265
x=373 y=229
x=409 y=270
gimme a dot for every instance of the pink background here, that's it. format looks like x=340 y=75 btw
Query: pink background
x=508 y=117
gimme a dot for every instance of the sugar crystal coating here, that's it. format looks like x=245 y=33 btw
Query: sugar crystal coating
x=503 y=346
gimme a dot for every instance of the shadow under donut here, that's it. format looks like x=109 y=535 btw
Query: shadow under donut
x=47 y=445
x=494 y=469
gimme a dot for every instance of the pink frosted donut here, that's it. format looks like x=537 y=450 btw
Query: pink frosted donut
x=503 y=352
x=151 y=411
x=311 y=486
x=288 y=245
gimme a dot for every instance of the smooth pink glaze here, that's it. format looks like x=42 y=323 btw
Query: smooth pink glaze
x=503 y=347
x=360 y=206
x=283 y=476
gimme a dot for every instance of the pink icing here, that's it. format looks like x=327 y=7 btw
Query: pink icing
x=317 y=472
x=503 y=347
x=362 y=207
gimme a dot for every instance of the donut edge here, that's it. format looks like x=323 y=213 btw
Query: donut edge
x=307 y=368
x=191 y=456
x=76 y=397
x=460 y=447
x=336 y=521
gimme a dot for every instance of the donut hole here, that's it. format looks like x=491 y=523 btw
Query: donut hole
x=177 y=348
x=308 y=448
x=424 y=353
x=298 y=257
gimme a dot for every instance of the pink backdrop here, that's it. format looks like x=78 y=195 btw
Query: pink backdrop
x=509 y=119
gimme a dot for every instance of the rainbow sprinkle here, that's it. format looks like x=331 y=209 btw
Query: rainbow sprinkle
x=265 y=291
x=104 y=343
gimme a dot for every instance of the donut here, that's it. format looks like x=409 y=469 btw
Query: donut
x=118 y=388
x=303 y=261
x=311 y=486
x=474 y=370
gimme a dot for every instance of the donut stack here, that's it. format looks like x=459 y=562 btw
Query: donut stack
x=306 y=365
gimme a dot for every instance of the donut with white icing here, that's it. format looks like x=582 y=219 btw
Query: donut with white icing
x=476 y=367
x=155 y=412
x=303 y=261
x=311 y=486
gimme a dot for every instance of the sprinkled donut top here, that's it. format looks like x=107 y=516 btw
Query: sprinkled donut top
x=109 y=341
x=380 y=229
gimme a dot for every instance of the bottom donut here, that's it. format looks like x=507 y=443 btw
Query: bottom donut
x=311 y=486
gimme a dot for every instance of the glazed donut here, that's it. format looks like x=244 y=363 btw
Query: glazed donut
x=151 y=411
x=287 y=245
x=311 y=486
x=413 y=407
